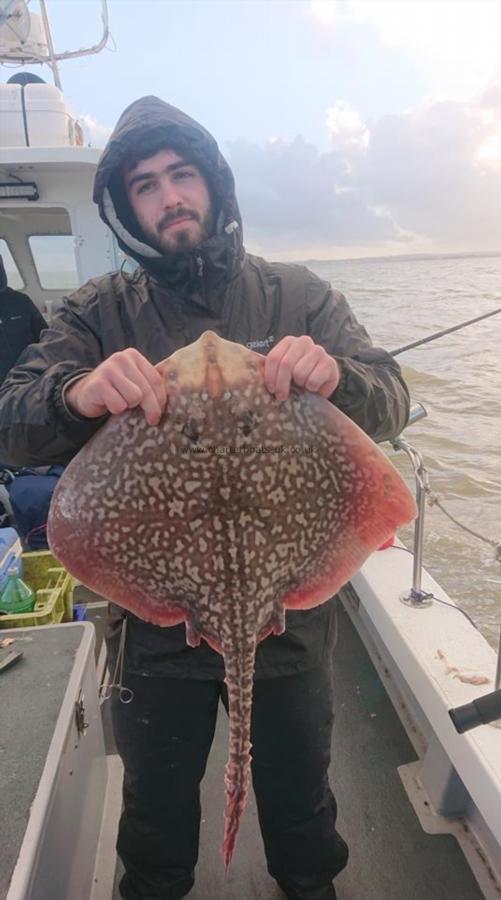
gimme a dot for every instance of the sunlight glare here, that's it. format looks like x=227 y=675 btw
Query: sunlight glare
x=324 y=11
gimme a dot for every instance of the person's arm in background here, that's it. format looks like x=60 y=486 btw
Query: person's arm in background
x=61 y=391
x=37 y=322
x=36 y=427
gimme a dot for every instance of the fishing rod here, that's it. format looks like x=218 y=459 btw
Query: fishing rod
x=417 y=413
x=439 y=334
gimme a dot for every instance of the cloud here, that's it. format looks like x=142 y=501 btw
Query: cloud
x=295 y=198
x=425 y=180
x=345 y=126
x=491 y=97
x=95 y=134
x=436 y=170
x=429 y=178
x=455 y=44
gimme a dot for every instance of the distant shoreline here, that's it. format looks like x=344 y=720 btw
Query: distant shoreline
x=406 y=257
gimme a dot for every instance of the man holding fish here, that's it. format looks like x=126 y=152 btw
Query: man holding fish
x=168 y=195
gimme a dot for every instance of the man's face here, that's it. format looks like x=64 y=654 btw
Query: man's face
x=171 y=201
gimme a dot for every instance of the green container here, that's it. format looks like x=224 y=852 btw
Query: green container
x=53 y=587
x=17 y=597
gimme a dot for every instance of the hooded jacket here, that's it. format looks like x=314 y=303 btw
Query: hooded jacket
x=20 y=323
x=167 y=303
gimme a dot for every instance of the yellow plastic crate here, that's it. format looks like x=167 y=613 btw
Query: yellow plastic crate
x=53 y=586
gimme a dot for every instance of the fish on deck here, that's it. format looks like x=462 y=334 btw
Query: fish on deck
x=234 y=508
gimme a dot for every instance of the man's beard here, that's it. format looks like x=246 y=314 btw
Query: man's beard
x=182 y=240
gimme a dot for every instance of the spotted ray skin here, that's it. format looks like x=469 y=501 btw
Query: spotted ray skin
x=234 y=508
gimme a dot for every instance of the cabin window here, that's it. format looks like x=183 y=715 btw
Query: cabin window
x=13 y=274
x=55 y=261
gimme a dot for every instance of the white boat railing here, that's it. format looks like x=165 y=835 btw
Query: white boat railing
x=484 y=709
x=416 y=596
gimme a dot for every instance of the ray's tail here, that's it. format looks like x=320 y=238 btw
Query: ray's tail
x=239 y=666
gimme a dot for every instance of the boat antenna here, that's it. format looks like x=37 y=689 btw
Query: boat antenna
x=26 y=53
x=438 y=334
x=52 y=55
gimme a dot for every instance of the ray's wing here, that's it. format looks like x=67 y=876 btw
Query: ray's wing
x=232 y=508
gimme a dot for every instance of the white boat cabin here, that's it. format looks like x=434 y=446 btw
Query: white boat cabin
x=51 y=237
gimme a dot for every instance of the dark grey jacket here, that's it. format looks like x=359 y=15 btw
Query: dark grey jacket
x=20 y=324
x=166 y=304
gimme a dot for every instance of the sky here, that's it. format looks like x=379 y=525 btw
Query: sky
x=353 y=127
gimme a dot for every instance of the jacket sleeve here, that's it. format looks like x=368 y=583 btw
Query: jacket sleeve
x=38 y=322
x=371 y=391
x=36 y=428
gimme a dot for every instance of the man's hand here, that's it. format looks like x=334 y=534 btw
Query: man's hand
x=301 y=361
x=123 y=381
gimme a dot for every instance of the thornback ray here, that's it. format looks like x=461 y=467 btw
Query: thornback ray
x=234 y=508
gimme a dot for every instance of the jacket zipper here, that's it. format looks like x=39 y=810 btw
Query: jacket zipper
x=200 y=267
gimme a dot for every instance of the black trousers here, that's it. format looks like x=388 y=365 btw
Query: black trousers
x=164 y=736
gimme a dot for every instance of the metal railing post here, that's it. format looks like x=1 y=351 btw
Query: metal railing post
x=416 y=597
x=497 y=680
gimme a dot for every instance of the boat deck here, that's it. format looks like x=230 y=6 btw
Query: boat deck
x=391 y=858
